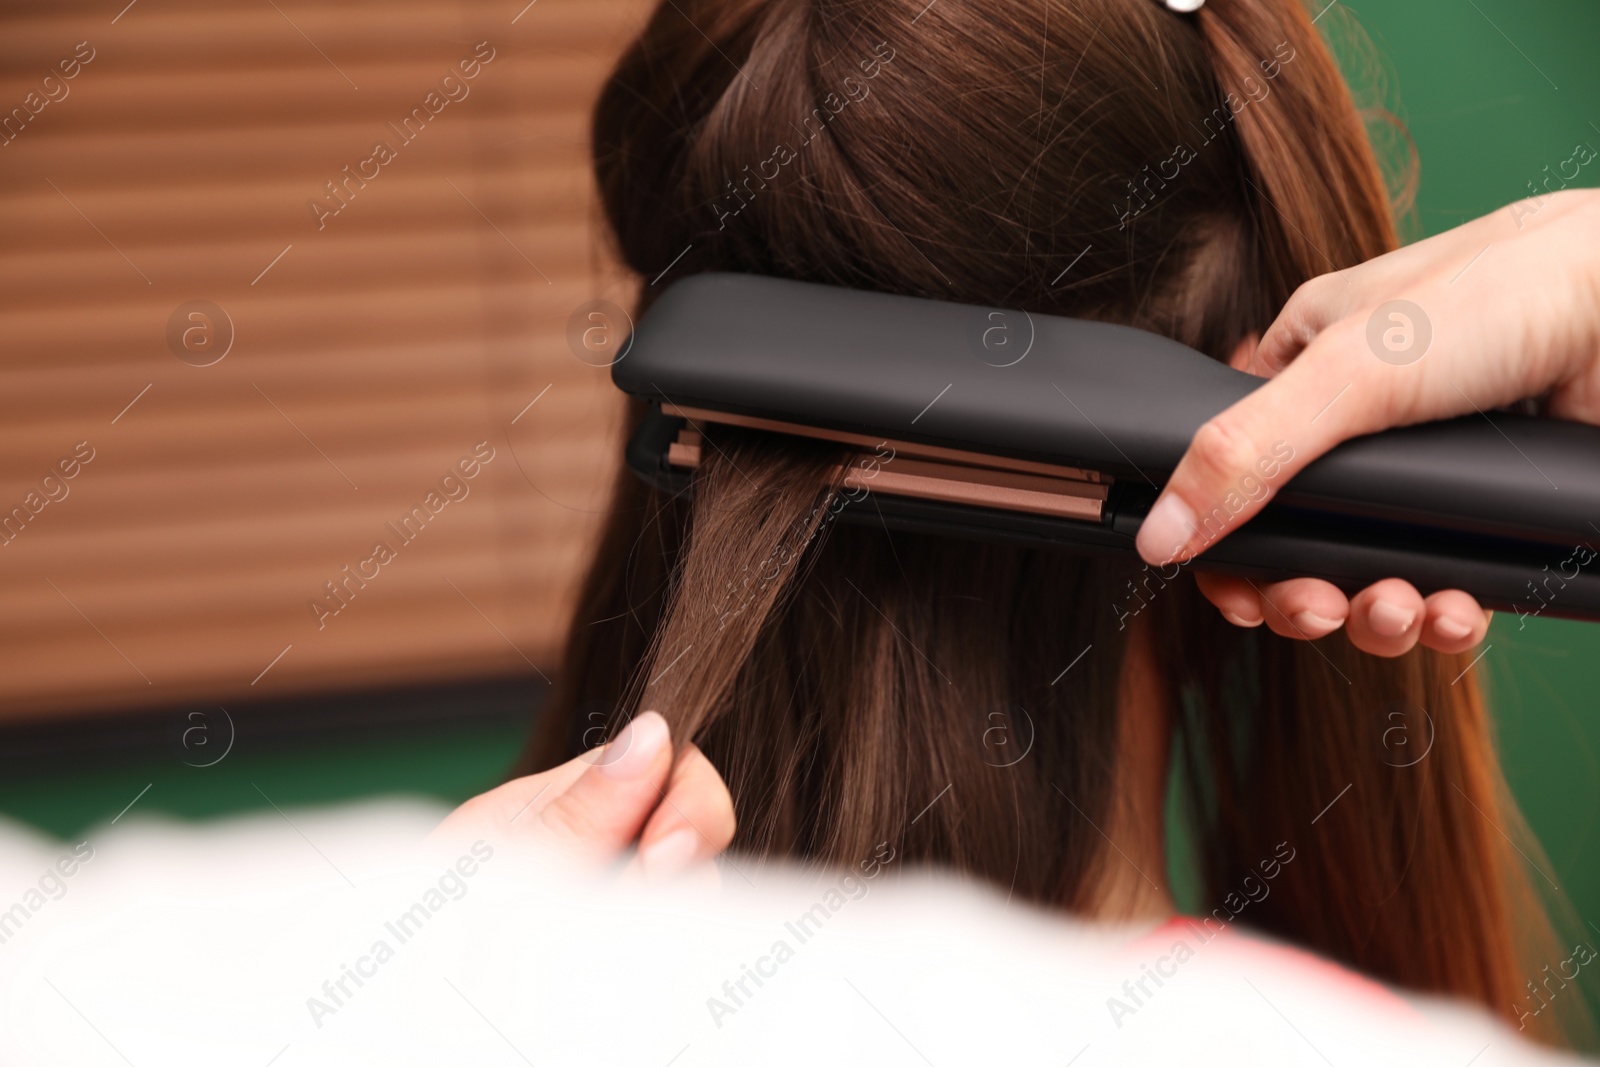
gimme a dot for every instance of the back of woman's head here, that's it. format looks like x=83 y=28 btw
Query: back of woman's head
x=1096 y=158
x=1200 y=166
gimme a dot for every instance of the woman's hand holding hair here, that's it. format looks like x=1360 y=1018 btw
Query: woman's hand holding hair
x=1512 y=304
x=630 y=790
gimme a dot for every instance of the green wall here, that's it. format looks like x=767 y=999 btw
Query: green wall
x=1542 y=682
x=446 y=764
x=1492 y=91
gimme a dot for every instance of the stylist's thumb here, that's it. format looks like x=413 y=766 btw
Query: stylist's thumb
x=604 y=810
x=1240 y=458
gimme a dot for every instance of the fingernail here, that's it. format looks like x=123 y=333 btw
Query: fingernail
x=1239 y=620
x=670 y=854
x=1312 y=623
x=1166 y=530
x=1454 y=629
x=632 y=752
x=1390 y=619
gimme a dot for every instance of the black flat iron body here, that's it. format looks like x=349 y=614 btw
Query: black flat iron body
x=1045 y=429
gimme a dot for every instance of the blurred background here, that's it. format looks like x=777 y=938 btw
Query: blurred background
x=278 y=268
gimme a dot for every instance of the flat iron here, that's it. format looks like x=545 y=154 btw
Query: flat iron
x=1040 y=429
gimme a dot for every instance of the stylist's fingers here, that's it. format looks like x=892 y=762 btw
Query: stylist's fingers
x=605 y=808
x=1386 y=618
x=1308 y=608
x=694 y=821
x=1239 y=458
x=1455 y=622
x=1236 y=598
x=1313 y=307
x=1303 y=608
x=511 y=807
x=1324 y=300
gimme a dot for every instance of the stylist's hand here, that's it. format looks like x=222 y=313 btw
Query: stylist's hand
x=1513 y=301
x=597 y=805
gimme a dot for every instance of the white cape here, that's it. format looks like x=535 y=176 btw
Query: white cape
x=331 y=937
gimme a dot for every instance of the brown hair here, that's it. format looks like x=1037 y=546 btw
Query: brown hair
x=1103 y=159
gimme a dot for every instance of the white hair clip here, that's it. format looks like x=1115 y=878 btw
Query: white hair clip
x=1184 y=6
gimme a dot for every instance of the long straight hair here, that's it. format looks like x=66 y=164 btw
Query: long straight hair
x=1101 y=158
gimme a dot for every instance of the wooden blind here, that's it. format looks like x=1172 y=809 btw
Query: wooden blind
x=216 y=398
